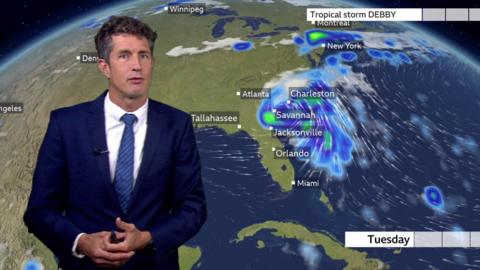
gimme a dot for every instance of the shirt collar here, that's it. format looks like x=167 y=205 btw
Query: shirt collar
x=114 y=111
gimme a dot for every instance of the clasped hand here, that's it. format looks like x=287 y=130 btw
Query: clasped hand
x=104 y=253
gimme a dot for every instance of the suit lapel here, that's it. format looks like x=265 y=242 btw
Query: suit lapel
x=98 y=142
x=156 y=126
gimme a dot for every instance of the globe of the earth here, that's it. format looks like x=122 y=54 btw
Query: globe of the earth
x=397 y=150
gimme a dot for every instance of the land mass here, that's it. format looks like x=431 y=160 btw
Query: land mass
x=188 y=256
x=335 y=250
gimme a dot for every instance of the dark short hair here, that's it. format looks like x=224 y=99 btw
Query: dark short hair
x=117 y=25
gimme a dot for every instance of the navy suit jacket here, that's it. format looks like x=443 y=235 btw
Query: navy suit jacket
x=72 y=191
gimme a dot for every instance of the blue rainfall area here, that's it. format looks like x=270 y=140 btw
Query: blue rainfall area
x=348 y=56
x=336 y=61
x=394 y=58
x=374 y=53
x=32 y=265
x=242 y=46
x=423 y=125
x=298 y=40
x=390 y=42
x=332 y=60
x=463 y=145
x=432 y=196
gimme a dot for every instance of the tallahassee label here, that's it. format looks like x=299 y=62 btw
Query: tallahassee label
x=215 y=117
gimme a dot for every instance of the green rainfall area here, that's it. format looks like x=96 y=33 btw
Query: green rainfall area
x=327 y=140
x=269 y=118
x=314 y=36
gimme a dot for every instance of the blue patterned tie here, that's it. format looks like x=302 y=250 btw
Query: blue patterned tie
x=124 y=170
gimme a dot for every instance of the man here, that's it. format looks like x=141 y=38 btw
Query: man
x=117 y=181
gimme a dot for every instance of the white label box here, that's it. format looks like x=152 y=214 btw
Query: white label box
x=364 y=14
x=425 y=239
x=456 y=239
x=475 y=239
x=428 y=239
x=379 y=239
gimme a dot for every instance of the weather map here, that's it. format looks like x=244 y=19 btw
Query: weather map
x=305 y=132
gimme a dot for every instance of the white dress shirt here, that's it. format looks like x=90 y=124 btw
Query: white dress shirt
x=114 y=130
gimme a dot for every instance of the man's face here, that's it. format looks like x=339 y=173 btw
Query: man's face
x=130 y=67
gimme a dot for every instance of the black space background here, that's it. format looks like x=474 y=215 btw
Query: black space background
x=22 y=21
